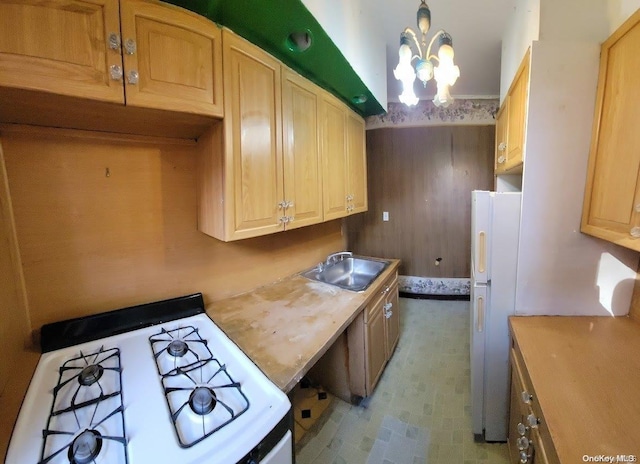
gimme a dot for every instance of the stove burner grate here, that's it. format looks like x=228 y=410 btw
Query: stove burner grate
x=81 y=408
x=202 y=401
x=179 y=350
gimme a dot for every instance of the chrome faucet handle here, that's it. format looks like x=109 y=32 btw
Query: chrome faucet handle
x=334 y=257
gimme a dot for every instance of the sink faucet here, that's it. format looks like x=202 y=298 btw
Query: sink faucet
x=339 y=256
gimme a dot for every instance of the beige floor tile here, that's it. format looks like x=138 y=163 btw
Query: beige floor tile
x=423 y=396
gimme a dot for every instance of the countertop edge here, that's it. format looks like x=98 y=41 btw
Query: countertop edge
x=360 y=301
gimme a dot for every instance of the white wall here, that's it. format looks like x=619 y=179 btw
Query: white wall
x=561 y=270
x=574 y=20
x=618 y=11
x=352 y=28
x=522 y=29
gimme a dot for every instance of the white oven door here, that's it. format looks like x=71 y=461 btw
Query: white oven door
x=281 y=453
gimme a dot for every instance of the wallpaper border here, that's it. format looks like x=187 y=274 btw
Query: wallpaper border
x=470 y=112
x=434 y=285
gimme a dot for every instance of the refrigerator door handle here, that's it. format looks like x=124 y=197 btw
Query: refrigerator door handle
x=480 y=315
x=482 y=251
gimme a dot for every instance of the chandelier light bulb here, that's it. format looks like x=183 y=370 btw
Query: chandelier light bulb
x=443 y=97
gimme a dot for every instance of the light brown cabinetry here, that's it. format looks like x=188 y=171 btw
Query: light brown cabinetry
x=372 y=338
x=511 y=122
x=529 y=439
x=167 y=57
x=344 y=160
x=264 y=174
x=612 y=197
x=302 y=162
x=281 y=160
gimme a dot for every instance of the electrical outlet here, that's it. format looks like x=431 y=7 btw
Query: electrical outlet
x=385 y=215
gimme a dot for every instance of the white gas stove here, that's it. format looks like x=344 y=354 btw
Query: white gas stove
x=172 y=392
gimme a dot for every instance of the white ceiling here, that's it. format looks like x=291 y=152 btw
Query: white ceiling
x=476 y=27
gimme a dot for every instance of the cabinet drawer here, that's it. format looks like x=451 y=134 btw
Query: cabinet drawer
x=540 y=436
x=382 y=292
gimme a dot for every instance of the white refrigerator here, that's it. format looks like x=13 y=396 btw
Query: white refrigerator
x=495 y=231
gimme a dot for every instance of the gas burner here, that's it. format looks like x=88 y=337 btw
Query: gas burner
x=213 y=398
x=90 y=374
x=178 y=348
x=202 y=400
x=85 y=447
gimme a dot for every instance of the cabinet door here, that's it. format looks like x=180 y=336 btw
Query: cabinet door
x=302 y=167
x=612 y=200
x=502 y=140
x=61 y=46
x=176 y=56
x=392 y=315
x=375 y=346
x=357 y=168
x=518 y=94
x=334 y=157
x=253 y=139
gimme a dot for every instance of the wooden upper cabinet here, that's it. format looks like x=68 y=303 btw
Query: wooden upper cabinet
x=511 y=122
x=167 y=57
x=333 y=144
x=302 y=164
x=253 y=140
x=61 y=46
x=172 y=58
x=502 y=136
x=357 y=164
x=342 y=142
x=612 y=196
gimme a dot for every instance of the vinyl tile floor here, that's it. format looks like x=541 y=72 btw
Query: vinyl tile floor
x=420 y=410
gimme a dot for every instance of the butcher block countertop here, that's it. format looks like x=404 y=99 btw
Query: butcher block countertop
x=285 y=327
x=585 y=372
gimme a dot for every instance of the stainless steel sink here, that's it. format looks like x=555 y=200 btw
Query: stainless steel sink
x=351 y=273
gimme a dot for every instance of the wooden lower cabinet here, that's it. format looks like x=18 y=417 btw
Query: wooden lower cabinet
x=372 y=337
x=527 y=426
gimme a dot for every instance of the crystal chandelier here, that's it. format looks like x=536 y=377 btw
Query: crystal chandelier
x=445 y=73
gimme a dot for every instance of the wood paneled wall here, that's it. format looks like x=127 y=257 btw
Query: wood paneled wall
x=13 y=322
x=423 y=177
x=105 y=222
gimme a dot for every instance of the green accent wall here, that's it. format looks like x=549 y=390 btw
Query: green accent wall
x=268 y=23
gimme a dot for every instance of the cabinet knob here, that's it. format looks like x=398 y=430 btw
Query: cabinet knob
x=533 y=421
x=637 y=208
x=290 y=219
x=524 y=457
x=502 y=146
x=115 y=71
x=526 y=397
x=635 y=232
x=282 y=205
x=289 y=204
x=523 y=443
x=282 y=219
x=130 y=46
x=388 y=306
x=132 y=77
x=522 y=429
x=114 y=41
x=501 y=159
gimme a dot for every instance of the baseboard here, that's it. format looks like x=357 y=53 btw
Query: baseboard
x=435 y=286
x=426 y=296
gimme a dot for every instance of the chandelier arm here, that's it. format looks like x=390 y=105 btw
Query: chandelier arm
x=412 y=34
x=436 y=35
